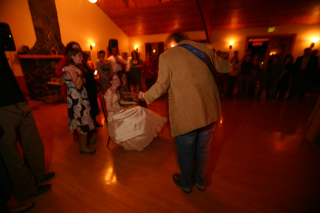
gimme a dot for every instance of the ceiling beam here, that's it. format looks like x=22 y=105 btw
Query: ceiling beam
x=203 y=9
x=126 y=2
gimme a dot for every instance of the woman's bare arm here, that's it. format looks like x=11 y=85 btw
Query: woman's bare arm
x=76 y=76
x=108 y=99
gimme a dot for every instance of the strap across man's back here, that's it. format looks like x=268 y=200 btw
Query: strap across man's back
x=204 y=57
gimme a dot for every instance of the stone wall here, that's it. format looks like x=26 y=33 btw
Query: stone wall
x=37 y=72
x=48 y=42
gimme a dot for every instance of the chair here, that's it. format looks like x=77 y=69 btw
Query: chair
x=105 y=112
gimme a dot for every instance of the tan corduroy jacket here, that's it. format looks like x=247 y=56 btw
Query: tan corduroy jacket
x=193 y=94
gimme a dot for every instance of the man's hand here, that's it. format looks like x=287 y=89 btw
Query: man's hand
x=140 y=96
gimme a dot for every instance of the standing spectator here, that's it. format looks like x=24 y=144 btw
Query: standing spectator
x=60 y=71
x=245 y=76
x=91 y=86
x=248 y=52
x=273 y=74
x=127 y=68
x=116 y=61
x=5 y=193
x=306 y=67
x=126 y=60
x=149 y=71
x=236 y=55
x=135 y=71
x=256 y=73
x=218 y=53
x=194 y=105
x=124 y=87
x=315 y=82
x=232 y=77
x=17 y=123
x=79 y=109
x=105 y=69
x=313 y=126
x=283 y=82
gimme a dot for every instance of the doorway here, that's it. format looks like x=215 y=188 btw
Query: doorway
x=265 y=46
x=154 y=49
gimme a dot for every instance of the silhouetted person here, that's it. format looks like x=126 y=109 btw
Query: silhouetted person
x=18 y=124
x=283 y=83
x=306 y=67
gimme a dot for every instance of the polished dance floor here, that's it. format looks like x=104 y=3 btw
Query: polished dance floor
x=260 y=162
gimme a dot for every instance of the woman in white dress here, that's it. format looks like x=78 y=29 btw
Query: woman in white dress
x=133 y=128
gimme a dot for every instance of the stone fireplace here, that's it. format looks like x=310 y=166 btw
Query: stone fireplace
x=38 y=66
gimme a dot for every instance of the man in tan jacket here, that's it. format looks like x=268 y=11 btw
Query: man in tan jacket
x=194 y=105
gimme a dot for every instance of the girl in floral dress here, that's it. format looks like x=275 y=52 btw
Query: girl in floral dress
x=77 y=100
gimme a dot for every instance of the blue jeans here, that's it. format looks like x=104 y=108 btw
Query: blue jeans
x=194 y=146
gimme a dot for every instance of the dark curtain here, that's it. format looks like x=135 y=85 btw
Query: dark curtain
x=148 y=48
x=160 y=47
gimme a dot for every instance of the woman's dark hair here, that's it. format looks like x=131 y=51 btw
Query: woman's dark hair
x=288 y=56
x=133 y=51
x=111 y=76
x=121 y=74
x=69 y=46
x=72 y=52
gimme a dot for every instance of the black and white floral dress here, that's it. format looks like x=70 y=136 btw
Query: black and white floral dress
x=79 y=109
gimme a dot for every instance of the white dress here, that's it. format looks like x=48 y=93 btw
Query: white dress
x=134 y=128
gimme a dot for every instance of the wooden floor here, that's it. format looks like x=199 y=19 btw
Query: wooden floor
x=260 y=162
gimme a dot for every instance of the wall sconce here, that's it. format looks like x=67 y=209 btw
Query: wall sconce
x=136 y=48
x=92 y=45
x=93 y=1
x=154 y=50
x=230 y=45
x=314 y=40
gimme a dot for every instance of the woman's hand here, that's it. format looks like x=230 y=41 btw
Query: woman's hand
x=69 y=68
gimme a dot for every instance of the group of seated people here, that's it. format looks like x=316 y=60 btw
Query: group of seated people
x=253 y=76
x=133 y=127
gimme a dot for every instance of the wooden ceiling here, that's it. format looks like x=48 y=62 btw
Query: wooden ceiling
x=145 y=17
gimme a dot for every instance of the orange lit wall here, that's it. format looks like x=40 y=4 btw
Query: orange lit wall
x=220 y=38
x=85 y=23
x=79 y=21
x=141 y=40
x=18 y=16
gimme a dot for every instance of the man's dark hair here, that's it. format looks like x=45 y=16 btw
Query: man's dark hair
x=177 y=36
x=102 y=51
